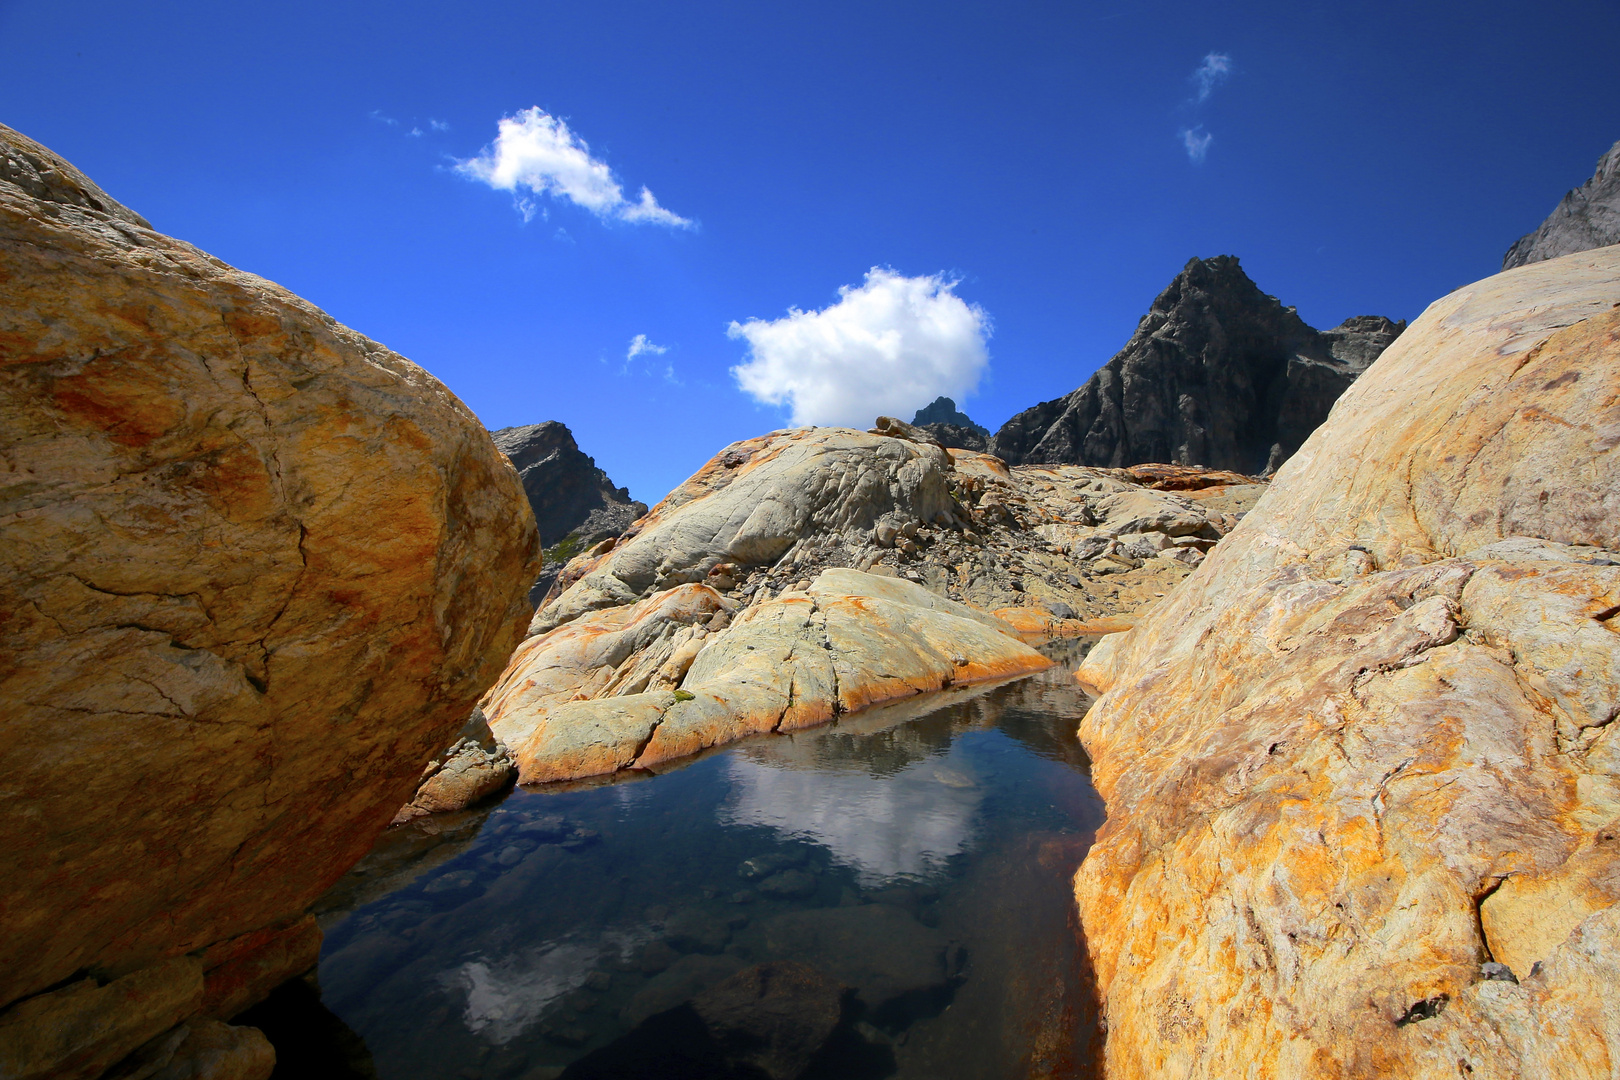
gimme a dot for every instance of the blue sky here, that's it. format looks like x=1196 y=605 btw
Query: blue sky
x=1025 y=169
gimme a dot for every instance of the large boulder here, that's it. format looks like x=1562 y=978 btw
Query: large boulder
x=635 y=686
x=1217 y=374
x=754 y=502
x=1587 y=217
x=1362 y=769
x=255 y=570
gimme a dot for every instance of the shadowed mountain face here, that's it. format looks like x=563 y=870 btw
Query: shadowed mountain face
x=568 y=492
x=1217 y=374
x=951 y=426
x=1586 y=218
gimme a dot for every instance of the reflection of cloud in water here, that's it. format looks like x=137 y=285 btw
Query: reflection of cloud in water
x=506 y=996
x=908 y=822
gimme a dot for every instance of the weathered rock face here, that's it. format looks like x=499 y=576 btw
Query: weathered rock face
x=1032 y=535
x=471 y=769
x=951 y=426
x=1362 y=770
x=1586 y=218
x=255 y=570
x=1217 y=374
x=634 y=687
x=568 y=492
x=757 y=501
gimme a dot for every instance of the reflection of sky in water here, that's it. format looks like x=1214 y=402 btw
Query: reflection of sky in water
x=506 y=996
x=907 y=822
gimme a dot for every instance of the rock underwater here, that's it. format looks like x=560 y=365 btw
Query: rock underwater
x=1362 y=769
x=256 y=570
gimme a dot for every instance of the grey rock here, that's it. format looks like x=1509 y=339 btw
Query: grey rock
x=1586 y=218
x=788 y=885
x=568 y=492
x=1492 y=971
x=1217 y=374
x=942 y=410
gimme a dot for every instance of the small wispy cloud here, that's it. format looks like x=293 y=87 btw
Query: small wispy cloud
x=640 y=346
x=1197 y=142
x=438 y=125
x=1215 y=69
x=1211 y=73
x=535 y=153
x=377 y=115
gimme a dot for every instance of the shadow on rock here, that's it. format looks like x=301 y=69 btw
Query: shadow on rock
x=311 y=1042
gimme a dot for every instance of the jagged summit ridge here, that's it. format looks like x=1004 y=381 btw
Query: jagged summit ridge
x=1218 y=373
x=1587 y=217
x=568 y=492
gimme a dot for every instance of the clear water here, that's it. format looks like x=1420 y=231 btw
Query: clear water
x=919 y=854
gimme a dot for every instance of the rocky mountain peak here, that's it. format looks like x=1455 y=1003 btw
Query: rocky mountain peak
x=1218 y=373
x=569 y=494
x=1586 y=218
x=942 y=410
x=942 y=420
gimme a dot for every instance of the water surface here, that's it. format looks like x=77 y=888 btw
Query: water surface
x=919 y=855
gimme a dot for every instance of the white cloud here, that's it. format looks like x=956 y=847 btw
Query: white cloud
x=1197 y=141
x=537 y=153
x=888 y=347
x=438 y=125
x=1211 y=73
x=639 y=346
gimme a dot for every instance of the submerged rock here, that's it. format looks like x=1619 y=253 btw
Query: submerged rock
x=1371 y=744
x=256 y=570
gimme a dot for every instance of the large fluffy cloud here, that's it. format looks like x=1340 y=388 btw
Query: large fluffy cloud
x=888 y=347
x=535 y=153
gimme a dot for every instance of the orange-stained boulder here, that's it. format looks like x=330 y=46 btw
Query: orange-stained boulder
x=636 y=686
x=255 y=570
x=1362 y=769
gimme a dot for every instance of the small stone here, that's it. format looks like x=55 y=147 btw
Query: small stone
x=547 y=828
x=765 y=865
x=720 y=620
x=789 y=884
x=656 y=957
x=511 y=855
x=744 y=896
x=1493 y=971
x=569 y=1035
x=600 y=981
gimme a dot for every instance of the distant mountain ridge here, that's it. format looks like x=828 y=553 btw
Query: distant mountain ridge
x=1218 y=374
x=1585 y=218
x=568 y=492
x=951 y=426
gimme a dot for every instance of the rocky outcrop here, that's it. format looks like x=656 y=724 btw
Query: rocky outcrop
x=811 y=573
x=468 y=771
x=1217 y=374
x=952 y=427
x=569 y=494
x=255 y=570
x=634 y=687
x=1362 y=769
x=1585 y=218
x=769 y=512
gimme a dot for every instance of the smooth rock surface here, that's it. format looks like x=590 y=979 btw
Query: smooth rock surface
x=636 y=686
x=255 y=569
x=1218 y=374
x=1587 y=217
x=1369 y=746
